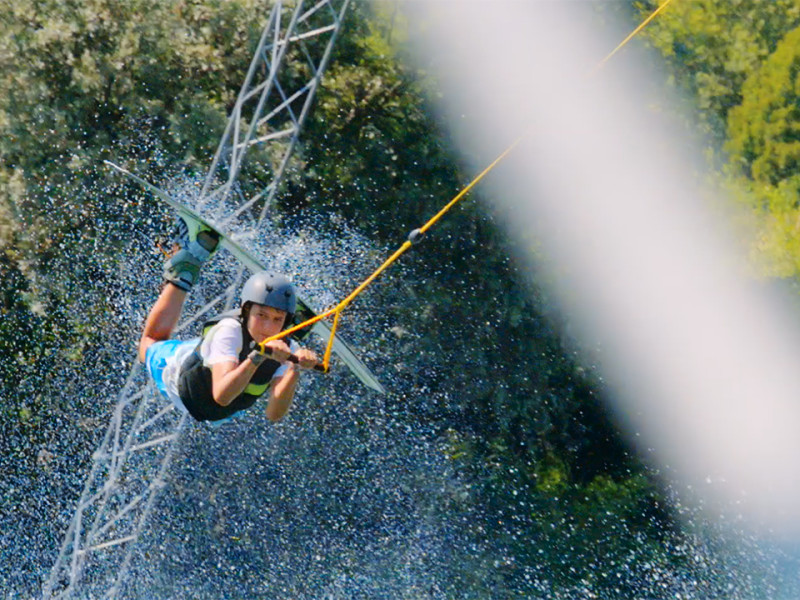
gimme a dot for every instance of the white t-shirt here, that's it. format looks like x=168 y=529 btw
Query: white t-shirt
x=223 y=342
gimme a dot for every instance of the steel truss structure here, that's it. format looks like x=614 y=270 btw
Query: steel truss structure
x=142 y=436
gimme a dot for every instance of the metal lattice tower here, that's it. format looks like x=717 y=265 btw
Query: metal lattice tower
x=271 y=110
x=130 y=465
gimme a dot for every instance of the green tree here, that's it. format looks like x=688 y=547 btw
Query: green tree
x=712 y=47
x=763 y=143
x=764 y=130
x=80 y=81
x=738 y=60
x=77 y=79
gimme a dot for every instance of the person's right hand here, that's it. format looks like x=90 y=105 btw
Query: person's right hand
x=279 y=350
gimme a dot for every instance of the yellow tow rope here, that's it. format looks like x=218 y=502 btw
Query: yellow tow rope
x=418 y=233
x=633 y=33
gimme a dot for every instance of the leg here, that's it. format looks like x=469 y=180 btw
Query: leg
x=162 y=318
x=194 y=244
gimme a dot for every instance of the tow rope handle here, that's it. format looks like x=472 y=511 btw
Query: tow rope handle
x=319 y=367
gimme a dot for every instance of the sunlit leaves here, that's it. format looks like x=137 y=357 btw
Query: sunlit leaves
x=713 y=46
x=740 y=61
x=764 y=131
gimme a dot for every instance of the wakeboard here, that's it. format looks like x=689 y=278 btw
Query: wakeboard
x=253 y=264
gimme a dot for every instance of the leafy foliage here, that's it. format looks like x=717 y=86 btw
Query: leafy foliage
x=77 y=81
x=712 y=47
x=738 y=60
x=764 y=130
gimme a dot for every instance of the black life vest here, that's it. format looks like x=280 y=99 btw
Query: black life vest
x=194 y=383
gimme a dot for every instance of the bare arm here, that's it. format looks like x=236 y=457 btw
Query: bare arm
x=229 y=380
x=282 y=393
x=283 y=388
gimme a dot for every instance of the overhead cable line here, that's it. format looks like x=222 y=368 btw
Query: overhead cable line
x=417 y=234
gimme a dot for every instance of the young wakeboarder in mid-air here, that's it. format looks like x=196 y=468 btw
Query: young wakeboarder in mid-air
x=224 y=371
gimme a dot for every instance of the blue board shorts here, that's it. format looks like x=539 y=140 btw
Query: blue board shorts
x=158 y=357
x=156 y=360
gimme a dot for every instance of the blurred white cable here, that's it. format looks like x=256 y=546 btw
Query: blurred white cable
x=705 y=368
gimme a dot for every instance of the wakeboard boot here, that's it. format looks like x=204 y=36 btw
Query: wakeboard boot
x=192 y=245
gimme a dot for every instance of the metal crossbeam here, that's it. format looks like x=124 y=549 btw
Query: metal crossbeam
x=273 y=103
x=119 y=491
x=130 y=464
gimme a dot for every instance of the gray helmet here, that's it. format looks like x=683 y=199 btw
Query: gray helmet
x=271 y=289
